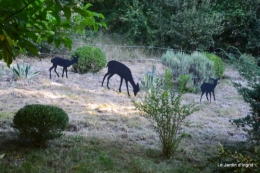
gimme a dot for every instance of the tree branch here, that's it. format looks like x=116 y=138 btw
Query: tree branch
x=19 y=10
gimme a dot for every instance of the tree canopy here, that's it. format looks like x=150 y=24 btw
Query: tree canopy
x=26 y=22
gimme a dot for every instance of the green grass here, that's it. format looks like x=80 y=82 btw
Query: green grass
x=77 y=154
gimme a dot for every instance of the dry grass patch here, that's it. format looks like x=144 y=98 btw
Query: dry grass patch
x=96 y=111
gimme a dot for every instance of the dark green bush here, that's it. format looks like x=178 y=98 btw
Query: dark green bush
x=91 y=59
x=219 y=65
x=40 y=122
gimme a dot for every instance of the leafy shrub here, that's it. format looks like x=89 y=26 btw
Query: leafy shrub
x=185 y=84
x=248 y=68
x=150 y=81
x=196 y=65
x=91 y=59
x=219 y=65
x=23 y=71
x=163 y=107
x=40 y=122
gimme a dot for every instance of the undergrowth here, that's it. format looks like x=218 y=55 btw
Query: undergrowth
x=80 y=154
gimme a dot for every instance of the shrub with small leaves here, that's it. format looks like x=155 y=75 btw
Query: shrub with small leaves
x=196 y=65
x=219 y=65
x=185 y=84
x=91 y=59
x=163 y=107
x=40 y=122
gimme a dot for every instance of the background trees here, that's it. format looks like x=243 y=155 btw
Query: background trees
x=185 y=24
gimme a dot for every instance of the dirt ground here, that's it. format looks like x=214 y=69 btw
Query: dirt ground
x=97 y=111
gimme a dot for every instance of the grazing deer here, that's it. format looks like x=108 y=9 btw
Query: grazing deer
x=115 y=67
x=209 y=88
x=65 y=63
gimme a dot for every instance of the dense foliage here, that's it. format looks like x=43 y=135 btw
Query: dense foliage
x=91 y=59
x=26 y=22
x=249 y=69
x=40 y=122
x=185 y=24
x=219 y=65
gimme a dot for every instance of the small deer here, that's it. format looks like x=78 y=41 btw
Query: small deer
x=209 y=88
x=115 y=67
x=65 y=63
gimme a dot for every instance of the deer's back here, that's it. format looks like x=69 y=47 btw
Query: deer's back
x=61 y=61
x=207 y=87
x=115 y=67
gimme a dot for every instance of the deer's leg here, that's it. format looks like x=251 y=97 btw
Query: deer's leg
x=120 y=84
x=63 y=71
x=108 y=80
x=207 y=95
x=214 y=96
x=104 y=78
x=127 y=88
x=201 y=95
x=66 y=70
x=51 y=70
x=210 y=96
x=56 y=71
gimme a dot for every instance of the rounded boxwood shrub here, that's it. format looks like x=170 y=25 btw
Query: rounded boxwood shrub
x=91 y=59
x=219 y=65
x=40 y=122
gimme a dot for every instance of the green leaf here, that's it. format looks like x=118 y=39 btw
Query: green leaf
x=57 y=42
x=87 y=5
x=31 y=48
x=67 y=12
x=57 y=6
x=80 y=11
x=50 y=39
x=67 y=42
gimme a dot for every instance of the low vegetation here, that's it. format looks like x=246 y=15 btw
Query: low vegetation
x=163 y=107
x=40 y=122
x=91 y=59
x=23 y=71
x=196 y=65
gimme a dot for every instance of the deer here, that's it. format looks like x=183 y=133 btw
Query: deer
x=115 y=67
x=209 y=88
x=65 y=63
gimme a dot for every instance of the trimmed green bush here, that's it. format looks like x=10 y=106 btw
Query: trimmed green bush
x=195 y=65
x=91 y=59
x=40 y=122
x=219 y=65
